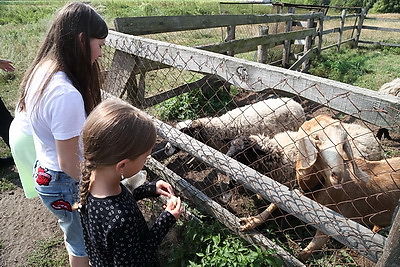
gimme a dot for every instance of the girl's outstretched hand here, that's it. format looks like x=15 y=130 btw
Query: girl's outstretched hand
x=164 y=188
x=174 y=206
x=6 y=65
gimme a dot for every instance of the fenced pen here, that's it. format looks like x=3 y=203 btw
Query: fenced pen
x=238 y=97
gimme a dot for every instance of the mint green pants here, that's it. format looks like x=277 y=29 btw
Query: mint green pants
x=23 y=152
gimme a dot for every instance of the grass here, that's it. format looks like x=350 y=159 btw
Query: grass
x=23 y=25
x=49 y=253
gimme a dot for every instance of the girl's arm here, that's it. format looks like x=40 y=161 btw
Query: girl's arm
x=68 y=159
x=153 y=189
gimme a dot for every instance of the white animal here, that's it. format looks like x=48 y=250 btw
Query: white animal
x=392 y=87
x=135 y=181
x=275 y=157
x=269 y=117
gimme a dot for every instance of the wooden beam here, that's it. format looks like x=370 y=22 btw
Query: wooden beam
x=158 y=24
x=380 y=28
x=379 y=43
x=251 y=44
x=382 y=19
x=305 y=56
x=371 y=106
x=391 y=250
x=120 y=72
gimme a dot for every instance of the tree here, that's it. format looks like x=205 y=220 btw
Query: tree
x=387 y=6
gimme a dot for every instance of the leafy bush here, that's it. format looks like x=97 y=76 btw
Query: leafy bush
x=209 y=243
x=195 y=104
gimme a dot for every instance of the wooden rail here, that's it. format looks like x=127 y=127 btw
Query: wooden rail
x=150 y=25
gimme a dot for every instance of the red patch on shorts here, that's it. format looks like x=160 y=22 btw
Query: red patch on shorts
x=43 y=178
x=61 y=204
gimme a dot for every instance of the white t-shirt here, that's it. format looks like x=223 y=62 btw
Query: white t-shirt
x=59 y=115
x=21 y=122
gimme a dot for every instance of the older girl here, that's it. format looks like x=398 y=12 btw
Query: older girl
x=59 y=89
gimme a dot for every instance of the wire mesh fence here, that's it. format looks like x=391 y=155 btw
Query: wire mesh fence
x=236 y=136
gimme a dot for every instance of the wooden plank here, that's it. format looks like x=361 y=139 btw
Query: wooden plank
x=379 y=43
x=333 y=30
x=382 y=19
x=342 y=21
x=328 y=31
x=335 y=45
x=250 y=44
x=346 y=231
x=380 y=28
x=145 y=65
x=370 y=106
x=359 y=26
x=120 y=73
x=287 y=43
x=346 y=28
x=307 y=47
x=391 y=250
x=306 y=56
x=158 y=24
x=262 y=50
x=340 y=17
x=203 y=202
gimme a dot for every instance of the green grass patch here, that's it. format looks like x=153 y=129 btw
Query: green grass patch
x=367 y=67
x=49 y=253
x=6 y=185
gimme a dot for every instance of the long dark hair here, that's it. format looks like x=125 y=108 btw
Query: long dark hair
x=67 y=45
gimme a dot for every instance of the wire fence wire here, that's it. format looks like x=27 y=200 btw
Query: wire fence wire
x=236 y=136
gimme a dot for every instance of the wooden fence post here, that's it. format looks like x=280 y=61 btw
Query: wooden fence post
x=230 y=35
x=320 y=34
x=342 y=20
x=359 y=27
x=262 y=50
x=307 y=46
x=287 y=43
x=391 y=251
x=278 y=11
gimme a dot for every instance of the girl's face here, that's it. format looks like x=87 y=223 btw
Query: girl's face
x=135 y=165
x=95 y=48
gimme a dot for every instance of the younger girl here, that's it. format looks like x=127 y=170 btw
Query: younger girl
x=117 y=140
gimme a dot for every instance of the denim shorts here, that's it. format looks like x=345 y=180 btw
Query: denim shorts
x=59 y=192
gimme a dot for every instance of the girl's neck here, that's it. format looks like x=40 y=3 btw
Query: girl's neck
x=105 y=183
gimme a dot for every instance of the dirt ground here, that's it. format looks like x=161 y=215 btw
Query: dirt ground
x=24 y=221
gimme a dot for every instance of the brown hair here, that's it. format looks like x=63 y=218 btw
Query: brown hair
x=64 y=48
x=113 y=131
